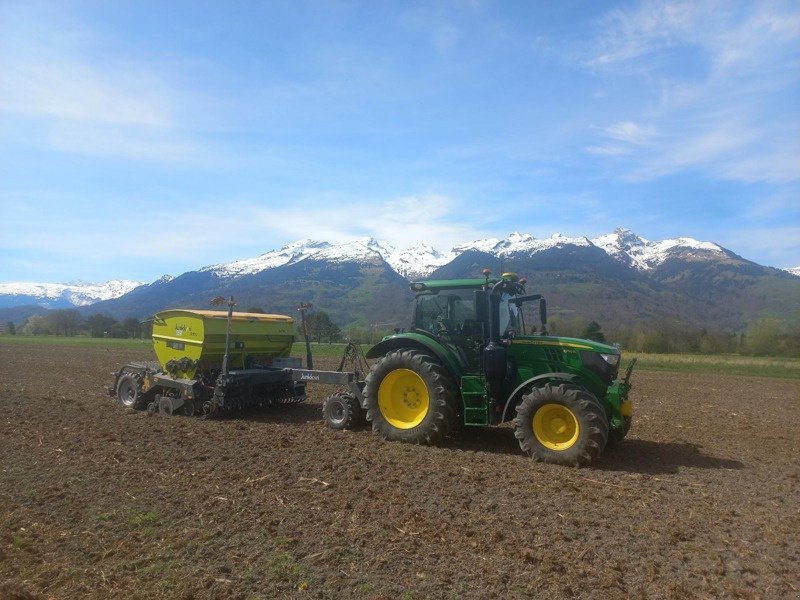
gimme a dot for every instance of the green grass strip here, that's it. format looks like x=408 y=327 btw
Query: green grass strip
x=726 y=364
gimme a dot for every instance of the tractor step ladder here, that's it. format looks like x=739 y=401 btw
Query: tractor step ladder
x=476 y=405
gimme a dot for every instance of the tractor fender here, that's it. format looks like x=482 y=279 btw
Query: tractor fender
x=416 y=341
x=516 y=395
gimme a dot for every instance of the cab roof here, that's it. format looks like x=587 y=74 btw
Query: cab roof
x=449 y=284
x=433 y=285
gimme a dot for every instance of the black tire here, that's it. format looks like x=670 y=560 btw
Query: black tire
x=410 y=397
x=342 y=411
x=561 y=424
x=189 y=408
x=615 y=436
x=129 y=391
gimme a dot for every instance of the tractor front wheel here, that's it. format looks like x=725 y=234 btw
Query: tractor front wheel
x=410 y=397
x=561 y=424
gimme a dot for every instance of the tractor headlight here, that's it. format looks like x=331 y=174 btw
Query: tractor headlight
x=605 y=366
x=612 y=359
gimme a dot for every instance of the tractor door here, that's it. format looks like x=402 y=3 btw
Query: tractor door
x=451 y=317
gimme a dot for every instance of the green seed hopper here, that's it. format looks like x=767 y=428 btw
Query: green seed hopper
x=188 y=340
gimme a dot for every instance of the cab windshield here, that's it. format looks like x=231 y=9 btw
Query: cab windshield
x=444 y=312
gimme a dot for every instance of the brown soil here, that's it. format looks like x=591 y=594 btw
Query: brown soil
x=96 y=501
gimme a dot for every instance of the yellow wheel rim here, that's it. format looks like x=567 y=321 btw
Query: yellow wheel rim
x=556 y=427
x=403 y=399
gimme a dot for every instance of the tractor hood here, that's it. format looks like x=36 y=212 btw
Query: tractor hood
x=566 y=342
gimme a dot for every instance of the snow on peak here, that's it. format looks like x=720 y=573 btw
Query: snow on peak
x=419 y=261
x=626 y=246
x=517 y=243
x=794 y=271
x=291 y=253
x=621 y=240
x=363 y=250
x=483 y=245
x=383 y=248
x=75 y=293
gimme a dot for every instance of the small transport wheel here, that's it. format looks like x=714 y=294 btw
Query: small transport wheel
x=342 y=411
x=129 y=391
x=562 y=424
x=411 y=397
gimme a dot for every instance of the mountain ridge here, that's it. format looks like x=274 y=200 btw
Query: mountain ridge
x=63 y=295
x=618 y=277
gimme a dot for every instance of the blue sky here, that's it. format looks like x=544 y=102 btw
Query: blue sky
x=142 y=138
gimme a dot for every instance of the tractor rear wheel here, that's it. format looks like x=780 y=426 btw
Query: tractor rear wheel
x=410 y=397
x=342 y=411
x=562 y=424
x=129 y=391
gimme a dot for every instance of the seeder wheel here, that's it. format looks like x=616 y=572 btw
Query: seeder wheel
x=129 y=391
x=342 y=411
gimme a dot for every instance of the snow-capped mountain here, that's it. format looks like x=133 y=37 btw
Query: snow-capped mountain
x=419 y=261
x=794 y=271
x=287 y=255
x=657 y=260
x=643 y=255
x=414 y=262
x=62 y=295
x=619 y=276
x=520 y=243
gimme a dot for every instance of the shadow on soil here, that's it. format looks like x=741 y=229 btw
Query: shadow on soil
x=651 y=457
x=632 y=455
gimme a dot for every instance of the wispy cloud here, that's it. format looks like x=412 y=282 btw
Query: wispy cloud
x=67 y=89
x=715 y=72
x=432 y=218
x=83 y=98
x=624 y=137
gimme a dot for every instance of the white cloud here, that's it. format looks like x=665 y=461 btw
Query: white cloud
x=77 y=95
x=64 y=89
x=652 y=26
x=716 y=74
x=630 y=132
x=151 y=144
x=431 y=218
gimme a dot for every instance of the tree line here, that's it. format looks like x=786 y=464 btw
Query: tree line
x=764 y=337
x=69 y=322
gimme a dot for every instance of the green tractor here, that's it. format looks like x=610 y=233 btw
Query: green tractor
x=469 y=359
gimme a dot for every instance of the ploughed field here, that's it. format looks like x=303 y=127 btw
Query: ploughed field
x=701 y=501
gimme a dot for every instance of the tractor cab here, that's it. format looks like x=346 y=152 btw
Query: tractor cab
x=465 y=314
